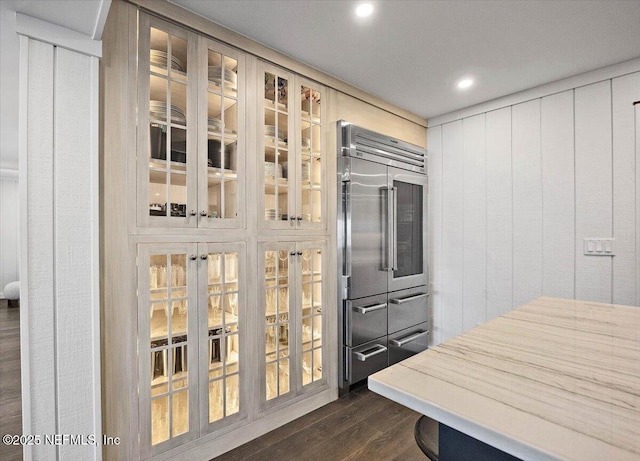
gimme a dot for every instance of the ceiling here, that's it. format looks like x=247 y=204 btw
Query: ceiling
x=412 y=53
x=84 y=16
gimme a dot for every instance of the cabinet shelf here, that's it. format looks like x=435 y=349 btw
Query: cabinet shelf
x=230 y=359
x=216 y=320
x=160 y=380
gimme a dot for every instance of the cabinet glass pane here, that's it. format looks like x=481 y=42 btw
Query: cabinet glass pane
x=277 y=323
x=311 y=268
x=169 y=345
x=222 y=128
x=223 y=334
x=276 y=148
x=310 y=148
x=409 y=229
x=167 y=125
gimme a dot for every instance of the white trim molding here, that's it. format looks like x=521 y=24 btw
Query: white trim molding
x=58 y=35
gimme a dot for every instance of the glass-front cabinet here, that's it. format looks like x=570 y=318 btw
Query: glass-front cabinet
x=292 y=147
x=191 y=317
x=191 y=156
x=292 y=309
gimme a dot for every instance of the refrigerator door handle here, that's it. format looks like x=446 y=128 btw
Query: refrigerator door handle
x=347 y=225
x=378 y=349
x=394 y=238
x=388 y=267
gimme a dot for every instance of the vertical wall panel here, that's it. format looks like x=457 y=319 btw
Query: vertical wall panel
x=499 y=212
x=593 y=188
x=9 y=220
x=637 y=107
x=558 y=195
x=40 y=256
x=527 y=202
x=452 y=229
x=73 y=247
x=475 y=223
x=434 y=172
x=625 y=90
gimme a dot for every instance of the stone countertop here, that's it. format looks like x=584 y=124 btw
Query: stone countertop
x=554 y=379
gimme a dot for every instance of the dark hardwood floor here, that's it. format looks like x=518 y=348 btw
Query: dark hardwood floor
x=10 y=399
x=359 y=426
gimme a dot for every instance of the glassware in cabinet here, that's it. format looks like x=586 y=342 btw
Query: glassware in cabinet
x=291 y=305
x=192 y=322
x=168 y=344
x=293 y=146
x=276 y=130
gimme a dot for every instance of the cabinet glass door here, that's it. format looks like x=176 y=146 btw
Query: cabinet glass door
x=222 y=141
x=223 y=311
x=310 y=260
x=278 y=334
x=278 y=167
x=310 y=164
x=167 y=316
x=167 y=148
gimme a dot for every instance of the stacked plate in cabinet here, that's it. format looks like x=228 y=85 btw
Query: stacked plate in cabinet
x=306 y=143
x=230 y=77
x=160 y=59
x=272 y=170
x=271 y=214
x=271 y=131
x=158 y=111
x=306 y=171
x=215 y=124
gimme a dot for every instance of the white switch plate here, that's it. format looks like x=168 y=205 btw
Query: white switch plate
x=599 y=247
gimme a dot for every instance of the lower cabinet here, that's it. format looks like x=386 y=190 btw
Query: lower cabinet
x=291 y=305
x=192 y=353
x=199 y=342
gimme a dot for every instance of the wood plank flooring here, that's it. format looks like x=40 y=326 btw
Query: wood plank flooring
x=359 y=426
x=10 y=398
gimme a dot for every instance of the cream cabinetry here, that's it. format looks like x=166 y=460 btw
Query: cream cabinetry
x=190 y=354
x=192 y=317
x=291 y=304
x=191 y=102
x=291 y=137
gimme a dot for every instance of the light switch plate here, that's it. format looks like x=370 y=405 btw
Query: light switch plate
x=599 y=247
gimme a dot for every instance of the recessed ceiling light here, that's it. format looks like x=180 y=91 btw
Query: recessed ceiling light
x=465 y=83
x=364 y=9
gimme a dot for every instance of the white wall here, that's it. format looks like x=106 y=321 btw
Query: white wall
x=9 y=229
x=516 y=189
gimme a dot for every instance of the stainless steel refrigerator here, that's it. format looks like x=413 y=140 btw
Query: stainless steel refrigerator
x=382 y=252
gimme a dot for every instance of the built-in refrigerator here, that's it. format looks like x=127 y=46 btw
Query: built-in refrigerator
x=382 y=252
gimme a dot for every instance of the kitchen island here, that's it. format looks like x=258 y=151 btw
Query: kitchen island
x=553 y=379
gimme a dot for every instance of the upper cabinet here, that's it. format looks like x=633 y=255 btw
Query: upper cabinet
x=190 y=129
x=291 y=141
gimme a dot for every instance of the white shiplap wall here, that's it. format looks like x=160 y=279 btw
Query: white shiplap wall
x=513 y=193
x=9 y=229
x=59 y=249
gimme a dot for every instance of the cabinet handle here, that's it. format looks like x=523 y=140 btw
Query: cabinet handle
x=378 y=349
x=293 y=253
x=193 y=212
x=193 y=257
x=203 y=213
x=408 y=339
x=299 y=253
x=204 y=256
x=299 y=218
